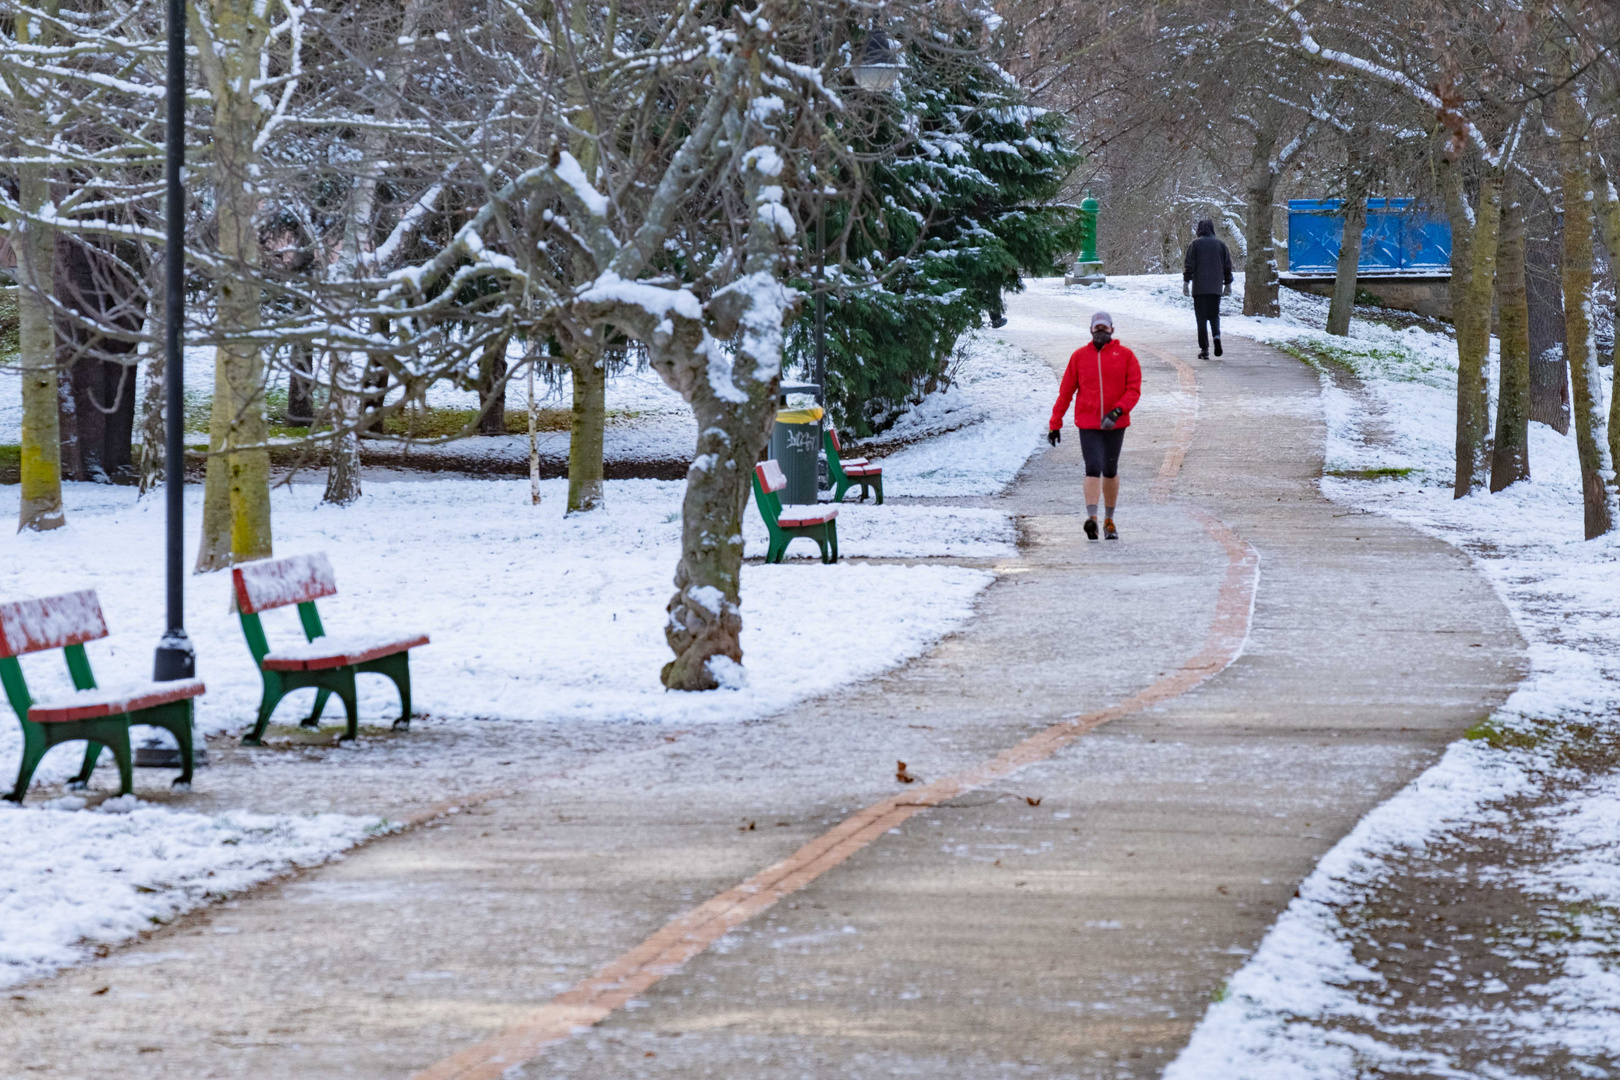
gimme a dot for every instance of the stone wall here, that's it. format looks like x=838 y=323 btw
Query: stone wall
x=1430 y=296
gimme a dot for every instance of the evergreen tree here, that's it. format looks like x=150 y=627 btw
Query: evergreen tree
x=946 y=225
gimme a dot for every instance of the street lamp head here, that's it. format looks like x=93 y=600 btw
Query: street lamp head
x=879 y=67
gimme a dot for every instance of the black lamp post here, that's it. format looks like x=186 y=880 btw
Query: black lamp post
x=175 y=658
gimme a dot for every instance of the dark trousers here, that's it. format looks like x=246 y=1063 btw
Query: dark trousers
x=1101 y=451
x=1207 y=309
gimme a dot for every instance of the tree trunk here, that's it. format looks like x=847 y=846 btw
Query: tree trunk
x=149 y=460
x=1543 y=286
x=1260 y=260
x=1355 y=223
x=1472 y=314
x=41 y=450
x=586 y=429
x=492 y=387
x=343 y=473
x=301 y=386
x=734 y=411
x=236 y=499
x=1576 y=193
x=1343 y=302
x=1606 y=205
x=1510 y=456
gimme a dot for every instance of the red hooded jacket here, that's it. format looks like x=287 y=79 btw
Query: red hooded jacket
x=1099 y=381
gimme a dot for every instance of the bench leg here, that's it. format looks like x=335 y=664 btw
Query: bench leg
x=841 y=489
x=832 y=535
x=350 y=699
x=322 y=695
x=92 y=754
x=397 y=669
x=33 y=749
x=274 y=691
x=118 y=742
x=180 y=728
x=880 y=491
x=821 y=542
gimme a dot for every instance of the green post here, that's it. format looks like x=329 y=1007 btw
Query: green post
x=1088 y=230
x=1087 y=269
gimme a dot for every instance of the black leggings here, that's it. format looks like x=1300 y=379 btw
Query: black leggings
x=1207 y=309
x=1102 y=450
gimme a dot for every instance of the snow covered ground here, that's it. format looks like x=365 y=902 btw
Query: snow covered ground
x=978 y=433
x=534 y=616
x=1510 y=841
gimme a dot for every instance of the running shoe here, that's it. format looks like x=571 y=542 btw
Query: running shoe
x=1203 y=354
x=1109 y=532
x=1217 y=346
x=1091 y=528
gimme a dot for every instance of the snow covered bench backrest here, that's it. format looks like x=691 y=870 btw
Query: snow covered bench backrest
x=273 y=583
x=771 y=477
x=28 y=626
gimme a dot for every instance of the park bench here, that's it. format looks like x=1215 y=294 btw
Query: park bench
x=845 y=473
x=819 y=523
x=100 y=715
x=328 y=664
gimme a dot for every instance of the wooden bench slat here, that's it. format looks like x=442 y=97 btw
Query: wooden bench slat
x=113 y=701
x=332 y=652
x=808 y=516
x=50 y=622
x=272 y=583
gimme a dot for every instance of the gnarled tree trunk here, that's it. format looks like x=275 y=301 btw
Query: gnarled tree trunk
x=1471 y=312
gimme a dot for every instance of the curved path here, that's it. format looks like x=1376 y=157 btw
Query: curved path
x=1068 y=913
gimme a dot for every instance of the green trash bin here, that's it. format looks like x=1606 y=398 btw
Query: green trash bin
x=796 y=446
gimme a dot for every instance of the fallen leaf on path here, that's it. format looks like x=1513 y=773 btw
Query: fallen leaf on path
x=1035 y=801
x=902 y=775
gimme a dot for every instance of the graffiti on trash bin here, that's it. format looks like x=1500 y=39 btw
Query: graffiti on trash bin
x=802 y=440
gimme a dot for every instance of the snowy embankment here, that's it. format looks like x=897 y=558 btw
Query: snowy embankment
x=534 y=616
x=1518 y=821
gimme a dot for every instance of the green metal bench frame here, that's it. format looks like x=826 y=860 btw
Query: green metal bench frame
x=311 y=577
x=110 y=732
x=824 y=533
x=843 y=481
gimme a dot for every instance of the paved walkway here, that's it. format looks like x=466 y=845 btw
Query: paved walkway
x=1069 y=919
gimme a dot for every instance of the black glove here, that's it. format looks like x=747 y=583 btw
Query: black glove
x=1112 y=418
x=1054 y=436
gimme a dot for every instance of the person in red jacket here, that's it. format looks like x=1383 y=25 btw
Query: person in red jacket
x=1105 y=381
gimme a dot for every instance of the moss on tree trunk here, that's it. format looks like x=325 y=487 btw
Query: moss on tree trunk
x=586 y=429
x=1590 y=441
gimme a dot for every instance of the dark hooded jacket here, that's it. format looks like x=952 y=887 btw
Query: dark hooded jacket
x=1208 y=264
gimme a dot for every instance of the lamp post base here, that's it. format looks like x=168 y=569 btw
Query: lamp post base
x=174 y=659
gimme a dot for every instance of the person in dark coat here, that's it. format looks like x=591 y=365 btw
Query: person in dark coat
x=1207 y=274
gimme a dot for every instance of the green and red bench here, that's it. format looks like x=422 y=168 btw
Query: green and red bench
x=818 y=523
x=99 y=715
x=845 y=473
x=329 y=664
